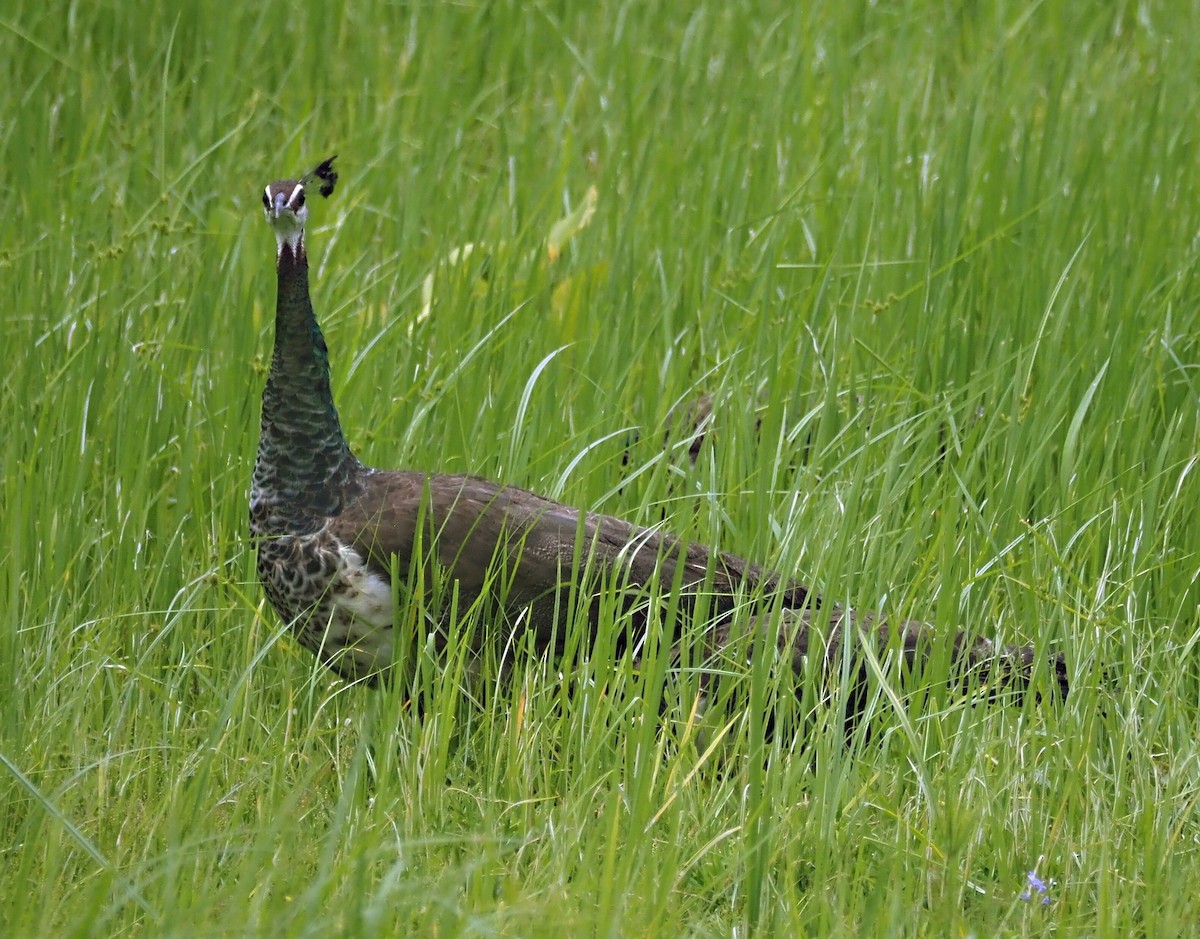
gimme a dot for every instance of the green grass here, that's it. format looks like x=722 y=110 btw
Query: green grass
x=945 y=255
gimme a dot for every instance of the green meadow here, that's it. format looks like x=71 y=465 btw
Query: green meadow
x=936 y=263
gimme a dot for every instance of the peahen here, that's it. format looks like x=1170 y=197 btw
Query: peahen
x=331 y=531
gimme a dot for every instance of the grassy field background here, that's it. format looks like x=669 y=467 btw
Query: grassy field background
x=937 y=263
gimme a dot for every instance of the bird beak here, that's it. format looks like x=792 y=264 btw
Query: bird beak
x=279 y=204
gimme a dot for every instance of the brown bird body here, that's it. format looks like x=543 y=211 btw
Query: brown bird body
x=331 y=532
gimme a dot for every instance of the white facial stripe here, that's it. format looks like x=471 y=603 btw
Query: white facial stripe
x=295 y=192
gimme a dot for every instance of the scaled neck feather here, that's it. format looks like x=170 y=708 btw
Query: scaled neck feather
x=305 y=471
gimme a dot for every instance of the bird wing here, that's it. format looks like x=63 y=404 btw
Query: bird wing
x=470 y=524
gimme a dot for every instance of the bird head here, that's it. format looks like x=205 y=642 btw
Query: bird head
x=284 y=203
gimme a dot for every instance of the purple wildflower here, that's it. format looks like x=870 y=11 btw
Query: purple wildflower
x=1037 y=888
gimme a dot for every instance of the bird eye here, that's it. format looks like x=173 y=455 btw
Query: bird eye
x=266 y=201
x=300 y=199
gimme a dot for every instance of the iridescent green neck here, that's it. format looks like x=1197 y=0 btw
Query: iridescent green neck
x=305 y=470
